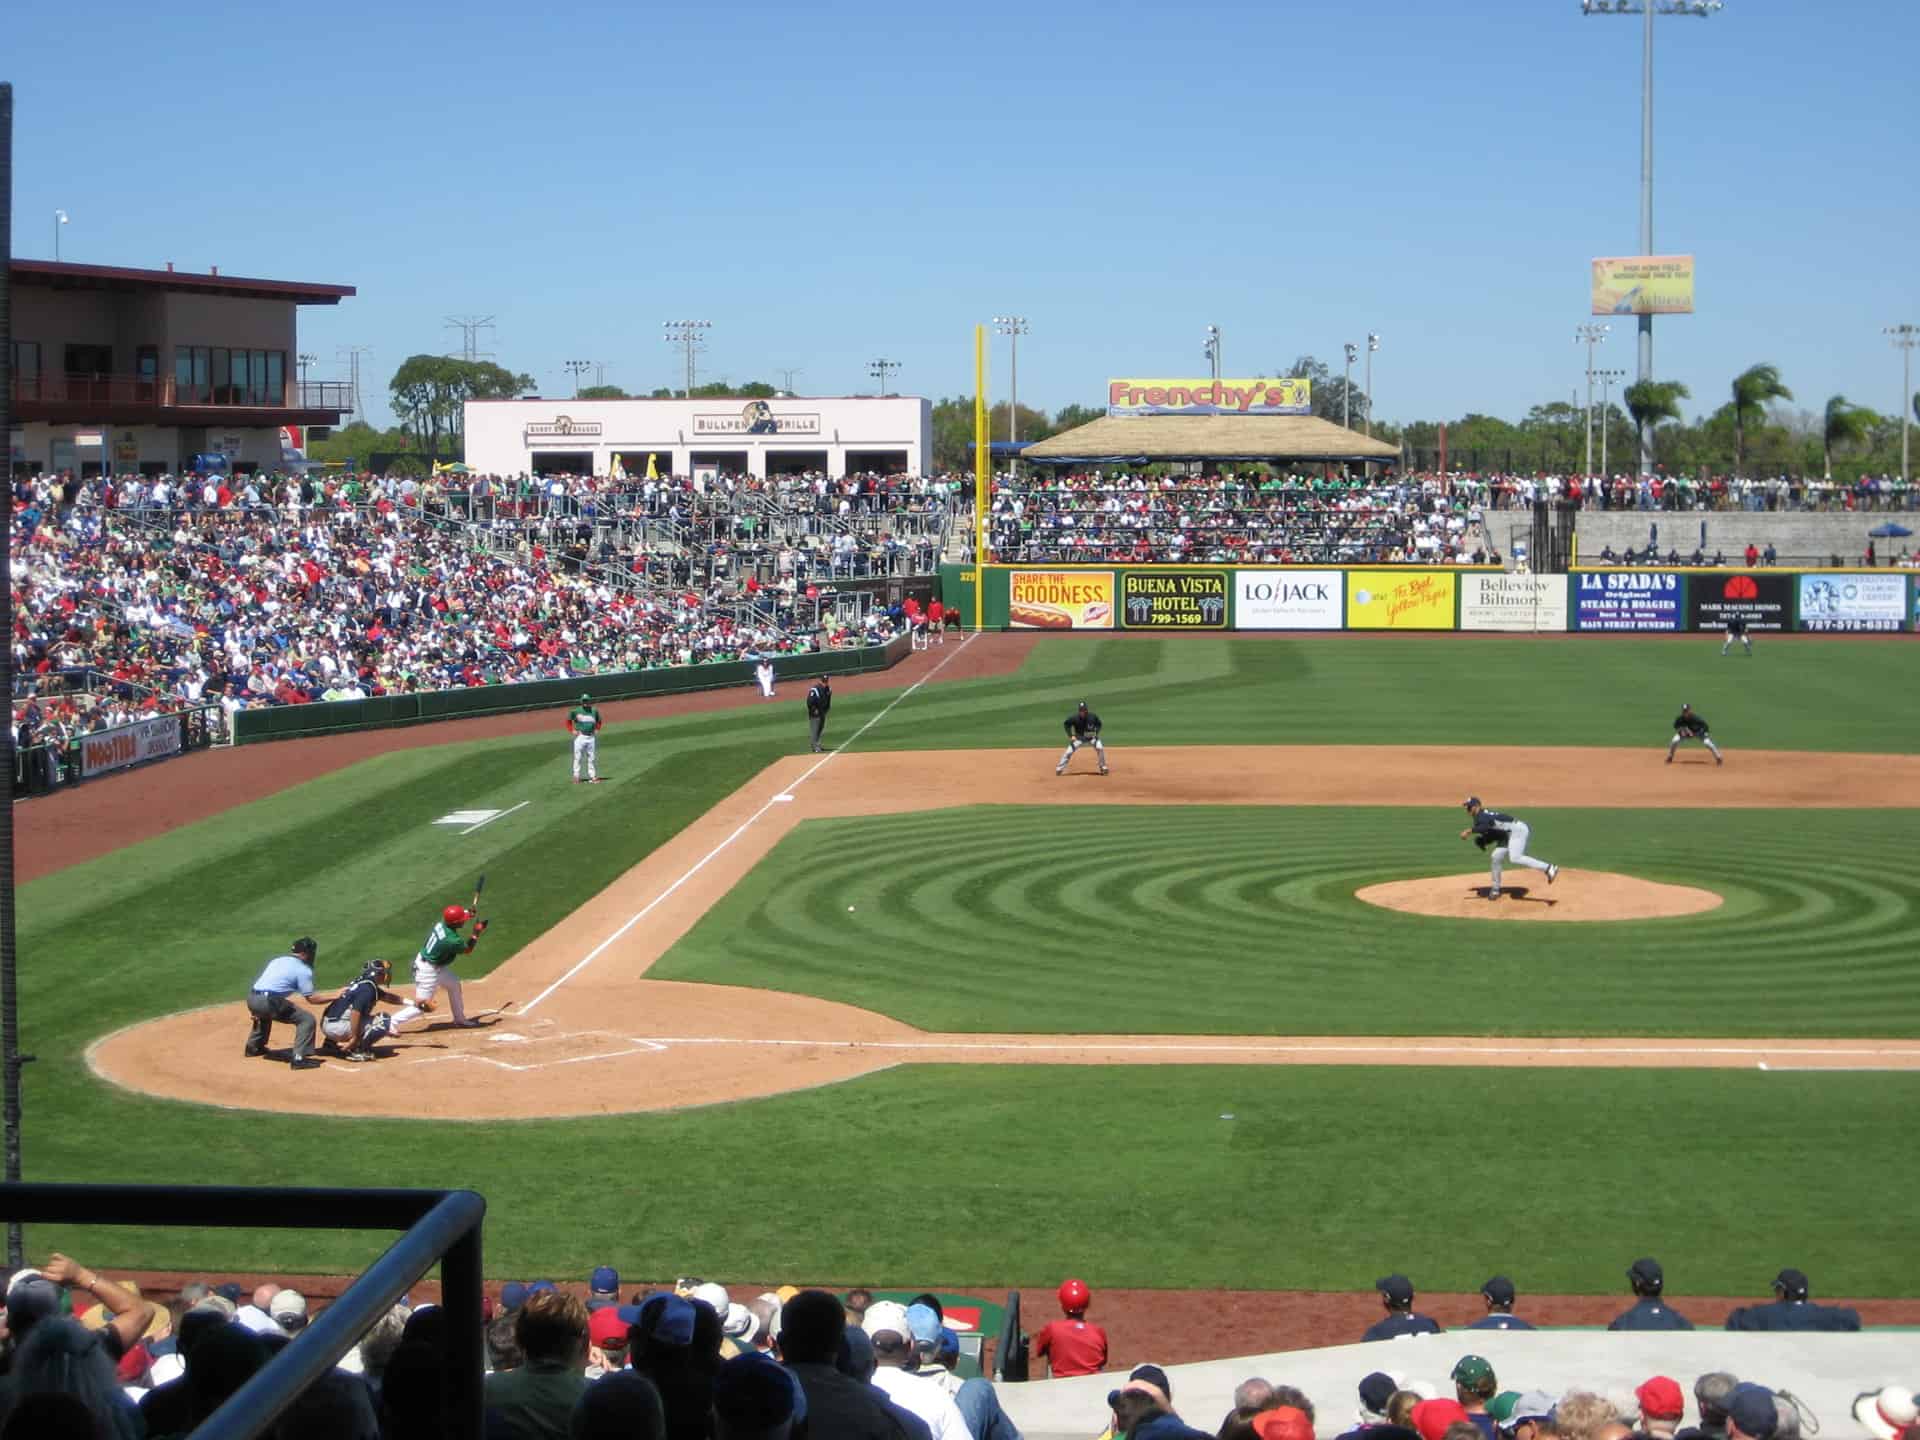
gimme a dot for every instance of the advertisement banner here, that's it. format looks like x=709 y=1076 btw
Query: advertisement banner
x=1400 y=599
x=1060 y=599
x=1640 y=600
x=1643 y=285
x=1765 y=601
x=1209 y=397
x=129 y=745
x=1513 y=602
x=1173 y=600
x=1853 y=602
x=1287 y=599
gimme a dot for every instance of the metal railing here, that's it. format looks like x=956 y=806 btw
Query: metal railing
x=163 y=392
x=439 y=1225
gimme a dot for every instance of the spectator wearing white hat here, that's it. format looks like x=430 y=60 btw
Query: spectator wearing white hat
x=887 y=1326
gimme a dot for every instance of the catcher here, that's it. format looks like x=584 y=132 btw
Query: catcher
x=349 y=1023
x=1083 y=728
x=432 y=968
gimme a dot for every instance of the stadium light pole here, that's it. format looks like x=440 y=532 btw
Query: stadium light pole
x=1212 y=351
x=10 y=1057
x=688 y=335
x=1647 y=9
x=1904 y=337
x=577 y=368
x=1013 y=327
x=1590 y=335
x=1373 y=344
x=1608 y=378
x=880 y=369
x=1346 y=387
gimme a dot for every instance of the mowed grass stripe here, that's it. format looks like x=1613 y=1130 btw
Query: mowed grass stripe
x=1211 y=920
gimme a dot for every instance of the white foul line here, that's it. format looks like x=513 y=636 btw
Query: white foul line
x=1282 y=1047
x=741 y=829
x=491 y=818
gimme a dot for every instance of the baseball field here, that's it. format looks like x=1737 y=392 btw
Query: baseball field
x=919 y=1009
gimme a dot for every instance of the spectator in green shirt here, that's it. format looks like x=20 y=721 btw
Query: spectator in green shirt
x=536 y=1401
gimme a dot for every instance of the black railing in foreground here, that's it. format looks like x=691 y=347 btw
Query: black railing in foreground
x=439 y=1225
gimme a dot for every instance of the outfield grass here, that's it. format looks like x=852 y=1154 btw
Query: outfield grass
x=1338 y=1159
x=1242 y=919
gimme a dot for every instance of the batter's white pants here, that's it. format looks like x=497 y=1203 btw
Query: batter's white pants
x=1515 y=850
x=1074 y=745
x=584 y=748
x=427 y=981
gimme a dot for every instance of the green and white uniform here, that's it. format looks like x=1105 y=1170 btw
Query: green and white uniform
x=584 y=722
x=442 y=947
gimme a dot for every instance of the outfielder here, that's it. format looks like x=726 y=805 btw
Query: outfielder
x=349 y=1022
x=1737 y=630
x=1689 y=726
x=584 y=721
x=432 y=972
x=1083 y=728
x=1508 y=838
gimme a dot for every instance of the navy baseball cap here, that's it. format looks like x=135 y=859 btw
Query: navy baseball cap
x=1793 y=1282
x=1751 y=1410
x=1469 y=802
x=1647 y=1271
x=1153 y=1375
x=1499 y=1290
x=1396 y=1288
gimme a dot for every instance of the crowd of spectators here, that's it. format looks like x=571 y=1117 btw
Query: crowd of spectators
x=1753 y=557
x=132 y=597
x=88 y=1357
x=1498 y=490
x=1126 y=517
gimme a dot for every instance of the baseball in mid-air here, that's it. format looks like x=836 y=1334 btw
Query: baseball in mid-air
x=849 y=909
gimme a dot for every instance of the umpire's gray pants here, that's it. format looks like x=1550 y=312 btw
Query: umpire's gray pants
x=266 y=1009
x=815 y=724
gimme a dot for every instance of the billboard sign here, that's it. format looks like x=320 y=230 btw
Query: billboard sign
x=1765 y=602
x=1513 y=602
x=1060 y=599
x=1853 y=602
x=1400 y=599
x=1287 y=599
x=1627 y=600
x=1173 y=600
x=125 y=745
x=1643 y=285
x=1210 y=397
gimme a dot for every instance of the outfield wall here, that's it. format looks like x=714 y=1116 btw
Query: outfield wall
x=285 y=722
x=1212 y=598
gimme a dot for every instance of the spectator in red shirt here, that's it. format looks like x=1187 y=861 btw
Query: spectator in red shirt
x=1073 y=1346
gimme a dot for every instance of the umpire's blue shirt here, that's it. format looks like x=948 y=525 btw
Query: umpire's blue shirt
x=286 y=975
x=1650 y=1314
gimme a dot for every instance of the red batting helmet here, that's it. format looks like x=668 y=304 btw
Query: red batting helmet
x=1074 y=1295
x=455 y=915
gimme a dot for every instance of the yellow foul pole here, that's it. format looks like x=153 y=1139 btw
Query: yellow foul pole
x=982 y=475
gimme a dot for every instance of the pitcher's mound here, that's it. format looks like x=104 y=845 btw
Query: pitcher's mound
x=1575 y=895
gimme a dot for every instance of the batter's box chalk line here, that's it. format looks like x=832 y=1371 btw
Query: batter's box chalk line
x=628 y=1047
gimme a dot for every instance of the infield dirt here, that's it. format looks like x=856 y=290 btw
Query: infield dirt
x=585 y=1024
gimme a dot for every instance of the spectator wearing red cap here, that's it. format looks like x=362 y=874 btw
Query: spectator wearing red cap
x=1283 y=1422
x=1073 y=1345
x=1432 y=1417
x=606 y=1341
x=1396 y=1298
x=1661 y=1406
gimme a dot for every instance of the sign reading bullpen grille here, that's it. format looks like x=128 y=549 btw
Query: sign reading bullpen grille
x=129 y=745
x=1765 y=602
x=1173 y=600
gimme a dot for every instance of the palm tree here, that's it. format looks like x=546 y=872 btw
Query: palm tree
x=1754 y=388
x=1650 y=402
x=1846 y=424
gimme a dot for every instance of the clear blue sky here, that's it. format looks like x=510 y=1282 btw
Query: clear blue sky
x=830 y=183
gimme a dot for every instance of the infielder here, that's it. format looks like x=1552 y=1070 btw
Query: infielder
x=1507 y=836
x=1083 y=728
x=584 y=722
x=1737 y=630
x=432 y=972
x=763 y=672
x=349 y=1022
x=1689 y=726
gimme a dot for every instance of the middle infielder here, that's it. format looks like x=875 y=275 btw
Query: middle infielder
x=432 y=972
x=1508 y=838
x=1083 y=728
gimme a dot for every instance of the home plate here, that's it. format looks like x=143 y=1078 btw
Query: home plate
x=508 y=1037
x=467 y=817
x=787 y=797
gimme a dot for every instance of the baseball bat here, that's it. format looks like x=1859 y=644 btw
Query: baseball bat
x=478 y=886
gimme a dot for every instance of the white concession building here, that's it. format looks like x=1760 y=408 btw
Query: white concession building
x=733 y=435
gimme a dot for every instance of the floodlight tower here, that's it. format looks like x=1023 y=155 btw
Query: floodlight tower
x=1647 y=9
